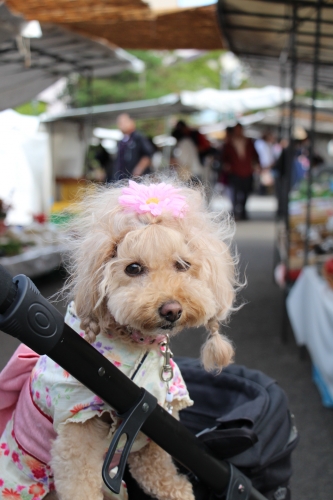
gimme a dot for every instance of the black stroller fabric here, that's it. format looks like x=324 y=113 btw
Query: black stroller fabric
x=242 y=416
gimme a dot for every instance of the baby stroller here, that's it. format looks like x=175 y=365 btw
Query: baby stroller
x=240 y=415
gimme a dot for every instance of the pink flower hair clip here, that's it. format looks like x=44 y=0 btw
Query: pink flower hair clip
x=154 y=199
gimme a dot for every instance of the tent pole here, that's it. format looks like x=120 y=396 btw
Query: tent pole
x=286 y=183
x=312 y=131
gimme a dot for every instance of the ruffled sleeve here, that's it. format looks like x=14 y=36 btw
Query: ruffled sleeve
x=71 y=400
x=181 y=397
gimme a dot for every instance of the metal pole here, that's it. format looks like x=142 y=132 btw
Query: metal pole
x=312 y=131
x=291 y=147
x=88 y=124
x=286 y=180
x=283 y=60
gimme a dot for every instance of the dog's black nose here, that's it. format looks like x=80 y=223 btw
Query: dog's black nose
x=171 y=311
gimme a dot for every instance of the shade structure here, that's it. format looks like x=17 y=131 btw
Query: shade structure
x=28 y=66
x=231 y=101
x=259 y=31
x=130 y=24
x=107 y=114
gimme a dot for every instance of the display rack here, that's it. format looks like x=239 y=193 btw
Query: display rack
x=290 y=41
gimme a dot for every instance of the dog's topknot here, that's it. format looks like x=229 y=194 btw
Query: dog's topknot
x=102 y=224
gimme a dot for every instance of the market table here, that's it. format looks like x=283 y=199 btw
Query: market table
x=310 y=310
x=35 y=262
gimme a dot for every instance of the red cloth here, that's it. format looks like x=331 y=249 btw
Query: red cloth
x=239 y=166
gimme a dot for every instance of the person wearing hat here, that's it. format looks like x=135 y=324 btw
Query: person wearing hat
x=299 y=162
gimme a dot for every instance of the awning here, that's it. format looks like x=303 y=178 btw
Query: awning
x=131 y=24
x=259 y=32
x=28 y=69
x=222 y=101
x=105 y=115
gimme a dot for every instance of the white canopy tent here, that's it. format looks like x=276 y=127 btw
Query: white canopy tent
x=25 y=170
x=237 y=101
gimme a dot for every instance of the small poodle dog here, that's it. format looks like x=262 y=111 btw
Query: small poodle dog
x=147 y=260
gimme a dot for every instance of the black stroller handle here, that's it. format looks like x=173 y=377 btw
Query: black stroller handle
x=28 y=316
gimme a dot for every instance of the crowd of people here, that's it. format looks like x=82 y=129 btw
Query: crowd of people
x=237 y=167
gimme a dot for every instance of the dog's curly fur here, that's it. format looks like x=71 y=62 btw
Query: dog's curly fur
x=183 y=259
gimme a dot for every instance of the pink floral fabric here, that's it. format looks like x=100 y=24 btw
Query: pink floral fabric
x=22 y=477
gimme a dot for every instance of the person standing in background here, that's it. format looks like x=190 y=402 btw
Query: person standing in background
x=134 y=151
x=185 y=157
x=266 y=150
x=239 y=160
x=201 y=142
x=105 y=161
x=223 y=176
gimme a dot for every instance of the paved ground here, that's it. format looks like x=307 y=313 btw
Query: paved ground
x=256 y=331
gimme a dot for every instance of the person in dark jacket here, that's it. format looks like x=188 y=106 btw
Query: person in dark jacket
x=239 y=159
x=134 y=151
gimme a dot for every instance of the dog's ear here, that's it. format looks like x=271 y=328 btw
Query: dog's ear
x=217 y=351
x=93 y=236
x=218 y=270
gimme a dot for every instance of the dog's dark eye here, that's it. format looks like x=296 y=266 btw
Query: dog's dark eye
x=182 y=266
x=134 y=269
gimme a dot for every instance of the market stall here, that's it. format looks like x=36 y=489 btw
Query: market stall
x=291 y=41
x=294 y=45
x=310 y=309
x=291 y=244
x=34 y=249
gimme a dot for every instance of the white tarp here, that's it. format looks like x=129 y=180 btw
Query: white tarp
x=310 y=310
x=236 y=101
x=24 y=167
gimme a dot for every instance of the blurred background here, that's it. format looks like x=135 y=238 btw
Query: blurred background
x=231 y=94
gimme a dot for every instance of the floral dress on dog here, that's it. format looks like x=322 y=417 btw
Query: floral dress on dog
x=51 y=397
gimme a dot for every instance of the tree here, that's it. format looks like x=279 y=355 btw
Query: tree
x=166 y=72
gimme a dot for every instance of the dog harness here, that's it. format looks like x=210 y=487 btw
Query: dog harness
x=51 y=397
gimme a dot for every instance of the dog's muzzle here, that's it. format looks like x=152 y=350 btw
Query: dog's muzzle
x=170 y=311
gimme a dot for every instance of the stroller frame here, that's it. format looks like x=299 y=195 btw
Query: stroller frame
x=28 y=316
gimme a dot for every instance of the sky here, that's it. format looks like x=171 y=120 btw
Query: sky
x=194 y=3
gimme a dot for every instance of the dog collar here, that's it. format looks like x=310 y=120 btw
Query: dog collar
x=137 y=337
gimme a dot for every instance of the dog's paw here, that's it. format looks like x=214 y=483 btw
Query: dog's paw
x=91 y=329
x=179 y=489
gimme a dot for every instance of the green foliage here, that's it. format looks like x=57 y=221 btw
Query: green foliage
x=165 y=73
x=33 y=108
